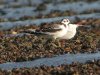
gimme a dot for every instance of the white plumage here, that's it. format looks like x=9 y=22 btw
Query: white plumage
x=52 y=31
x=71 y=31
x=64 y=30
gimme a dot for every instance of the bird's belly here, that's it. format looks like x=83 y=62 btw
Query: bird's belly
x=68 y=35
x=60 y=34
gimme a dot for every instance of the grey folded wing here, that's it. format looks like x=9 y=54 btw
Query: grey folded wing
x=46 y=30
x=34 y=32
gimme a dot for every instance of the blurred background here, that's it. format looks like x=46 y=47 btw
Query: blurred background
x=20 y=15
x=14 y=10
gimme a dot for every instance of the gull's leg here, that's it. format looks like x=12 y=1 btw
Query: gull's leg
x=62 y=43
x=55 y=42
x=49 y=40
x=58 y=42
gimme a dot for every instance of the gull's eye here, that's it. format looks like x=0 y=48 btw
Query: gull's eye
x=67 y=20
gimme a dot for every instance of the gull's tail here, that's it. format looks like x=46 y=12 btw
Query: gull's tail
x=34 y=32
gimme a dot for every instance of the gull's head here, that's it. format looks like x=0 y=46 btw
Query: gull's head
x=65 y=21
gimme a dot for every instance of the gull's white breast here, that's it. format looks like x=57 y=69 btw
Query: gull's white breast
x=60 y=33
x=68 y=35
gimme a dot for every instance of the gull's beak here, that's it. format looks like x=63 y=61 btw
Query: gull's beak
x=80 y=25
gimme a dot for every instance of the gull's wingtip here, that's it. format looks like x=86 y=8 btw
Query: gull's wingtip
x=33 y=31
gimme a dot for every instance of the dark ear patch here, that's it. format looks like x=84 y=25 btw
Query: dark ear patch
x=64 y=25
x=67 y=20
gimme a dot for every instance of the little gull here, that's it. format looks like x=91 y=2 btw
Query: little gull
x=53 y=30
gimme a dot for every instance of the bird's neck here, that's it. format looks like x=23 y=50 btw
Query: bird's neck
x=65 y=25
x=72 y=27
